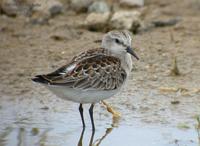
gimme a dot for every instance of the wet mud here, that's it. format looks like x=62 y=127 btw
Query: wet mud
x=158 y=108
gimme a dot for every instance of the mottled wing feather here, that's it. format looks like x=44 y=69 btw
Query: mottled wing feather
x=89 y=53
x=96 y=71
x=60 y=73
x=99 y=72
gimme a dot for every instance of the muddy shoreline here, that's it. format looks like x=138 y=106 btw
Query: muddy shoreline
x=154 y=99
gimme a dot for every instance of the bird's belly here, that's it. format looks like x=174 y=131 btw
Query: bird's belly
x=81 y=96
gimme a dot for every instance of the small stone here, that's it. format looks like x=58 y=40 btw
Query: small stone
x=35 y=131
x=132 y=3
x=56 y=8
x=167 y=22
x=80 y=5
x=175 y=102
x=44 y=10
x=96 y=21
x=39 y=18
x=45 y=108
x=99 y=7
x=125 y=20
x=58 y=37
x=48 y=7
x=9 y=7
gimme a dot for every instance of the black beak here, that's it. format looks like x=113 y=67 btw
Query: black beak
x=130 y=50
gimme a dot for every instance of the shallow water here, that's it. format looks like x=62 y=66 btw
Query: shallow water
x=31 y=123
x=129 y=135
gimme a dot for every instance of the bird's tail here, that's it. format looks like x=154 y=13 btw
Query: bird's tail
x=40 y=79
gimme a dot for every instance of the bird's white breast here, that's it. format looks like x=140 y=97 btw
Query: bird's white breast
x=82 y=96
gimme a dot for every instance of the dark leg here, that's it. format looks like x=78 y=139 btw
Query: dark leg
x=91 y=116
x=81 y=113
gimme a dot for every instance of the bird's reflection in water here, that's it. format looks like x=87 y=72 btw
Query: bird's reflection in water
x=97 y=142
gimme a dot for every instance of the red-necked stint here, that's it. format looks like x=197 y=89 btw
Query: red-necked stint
x=95 y=74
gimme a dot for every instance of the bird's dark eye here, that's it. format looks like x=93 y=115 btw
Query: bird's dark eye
x=117 y=41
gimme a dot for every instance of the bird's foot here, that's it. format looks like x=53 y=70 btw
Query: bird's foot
x=111 y=110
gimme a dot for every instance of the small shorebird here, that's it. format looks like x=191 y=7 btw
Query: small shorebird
x=95 y=74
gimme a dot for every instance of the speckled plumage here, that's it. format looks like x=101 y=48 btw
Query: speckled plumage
x=91 y=70
x=95 y=74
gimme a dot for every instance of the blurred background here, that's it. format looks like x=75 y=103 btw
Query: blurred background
x=159 y=107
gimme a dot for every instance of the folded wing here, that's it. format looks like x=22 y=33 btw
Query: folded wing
x=96 y=72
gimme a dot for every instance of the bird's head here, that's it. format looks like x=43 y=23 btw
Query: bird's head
x=118 y=43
